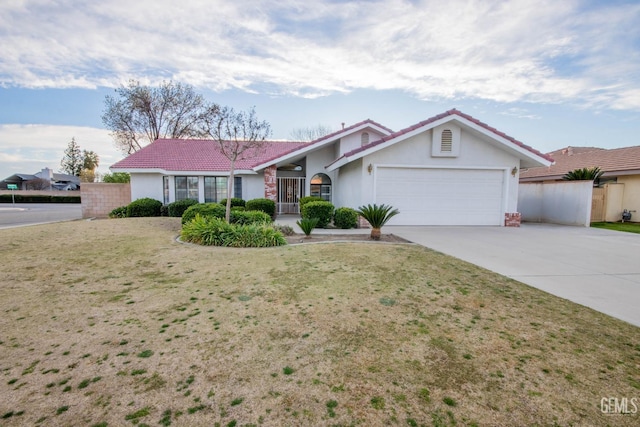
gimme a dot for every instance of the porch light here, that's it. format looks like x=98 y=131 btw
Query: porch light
x=514 y=171
x=369 y=168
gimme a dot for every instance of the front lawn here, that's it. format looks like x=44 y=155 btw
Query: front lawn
x=629 y=227
x=115 y=323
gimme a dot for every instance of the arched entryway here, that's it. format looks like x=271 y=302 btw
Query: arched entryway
x=321 y=186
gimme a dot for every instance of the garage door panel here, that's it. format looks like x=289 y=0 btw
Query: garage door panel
x=428 y=196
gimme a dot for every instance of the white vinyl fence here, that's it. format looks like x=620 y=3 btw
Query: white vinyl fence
x=566 y=203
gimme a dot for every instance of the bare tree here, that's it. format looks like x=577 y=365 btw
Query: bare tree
x=240 y=136
x=38 y=184
x=141 y=114
x=310 y=133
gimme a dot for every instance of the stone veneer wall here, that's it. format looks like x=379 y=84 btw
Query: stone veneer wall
x=100 y=198
x=512 y=219
x=270 y=183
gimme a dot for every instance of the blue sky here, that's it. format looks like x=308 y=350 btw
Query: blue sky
x=549 y=73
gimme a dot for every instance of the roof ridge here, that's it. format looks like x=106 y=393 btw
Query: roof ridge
x=440 y=116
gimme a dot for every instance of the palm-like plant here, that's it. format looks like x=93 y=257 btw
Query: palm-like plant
x=584 y=174
x=377 y=216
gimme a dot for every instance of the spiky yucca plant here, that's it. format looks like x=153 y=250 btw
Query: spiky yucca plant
x=377 y=216
x=584 y=174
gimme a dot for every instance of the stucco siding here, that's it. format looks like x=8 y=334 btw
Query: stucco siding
x=631 y=199
x=252 y=186
x=348 y=185
x=353 y=141
x=146 y=185
x=475 y=152
x=316 y=162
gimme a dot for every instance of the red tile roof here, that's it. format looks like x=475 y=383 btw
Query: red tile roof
x=197 y=155
x=612 y=162
x=442 y=116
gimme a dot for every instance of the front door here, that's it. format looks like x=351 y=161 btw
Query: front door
x=289 y=192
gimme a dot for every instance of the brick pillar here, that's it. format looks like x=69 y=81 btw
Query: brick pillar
x=512 y=219
x=270 y=184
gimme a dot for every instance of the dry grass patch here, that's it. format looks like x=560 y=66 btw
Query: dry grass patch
x=113 y=322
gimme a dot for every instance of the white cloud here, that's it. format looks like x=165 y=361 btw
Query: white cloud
x=506 y=51
x=29 y=148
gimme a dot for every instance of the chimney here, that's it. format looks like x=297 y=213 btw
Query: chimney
x=342 y=125
x=46 y=174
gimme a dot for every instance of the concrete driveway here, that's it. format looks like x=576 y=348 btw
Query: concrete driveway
x=596 y=268
x=22 y=214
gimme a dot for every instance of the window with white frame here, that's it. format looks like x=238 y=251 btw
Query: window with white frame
x=165 y=189
x=215 y=188
x=186 y=187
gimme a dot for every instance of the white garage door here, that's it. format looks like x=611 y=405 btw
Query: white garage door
x=428 y=196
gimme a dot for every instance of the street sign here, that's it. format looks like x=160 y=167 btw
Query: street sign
x=12 y=186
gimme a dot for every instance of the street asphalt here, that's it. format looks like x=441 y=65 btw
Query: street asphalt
x=23 y=214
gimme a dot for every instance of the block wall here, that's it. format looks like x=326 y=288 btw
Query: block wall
x=100 y=198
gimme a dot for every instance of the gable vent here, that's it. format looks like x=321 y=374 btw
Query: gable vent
x=364 y=138
x=446 y=141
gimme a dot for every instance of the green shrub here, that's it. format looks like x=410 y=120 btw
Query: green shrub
x=117 y=178
x=287 y=230
x=321 y=210
x=307 y=225
x=345 y=218
x=307 y=199
x=264 y=205
x=120 y=212
x=164 y=210
x=254 y=236
x=177 y=208
x=213 y=231
x=144 y=207
x=249 y=217
x=204 y=209
x=238 y=208
x=235 y=201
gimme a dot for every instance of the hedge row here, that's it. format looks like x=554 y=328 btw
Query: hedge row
x=38 y=198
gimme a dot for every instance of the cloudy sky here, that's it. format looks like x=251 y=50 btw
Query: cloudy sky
x=549 y=73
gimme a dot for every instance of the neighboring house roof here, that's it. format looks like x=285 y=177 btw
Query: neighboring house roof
x=434 y=121
x=197 y=155
x=613 y=162
x=45 y=174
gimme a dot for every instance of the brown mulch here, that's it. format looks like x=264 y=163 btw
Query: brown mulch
x=318 y=238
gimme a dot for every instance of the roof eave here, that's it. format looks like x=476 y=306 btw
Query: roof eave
x=320 y=143
x=183 y=172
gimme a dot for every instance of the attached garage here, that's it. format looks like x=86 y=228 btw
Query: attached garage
x=442 y=196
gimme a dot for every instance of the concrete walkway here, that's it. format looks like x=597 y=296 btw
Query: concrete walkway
x=593 y=267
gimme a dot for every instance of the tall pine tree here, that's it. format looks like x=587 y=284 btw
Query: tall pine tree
x=73 y=161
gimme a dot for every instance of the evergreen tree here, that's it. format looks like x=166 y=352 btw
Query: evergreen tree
x=73 y=161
